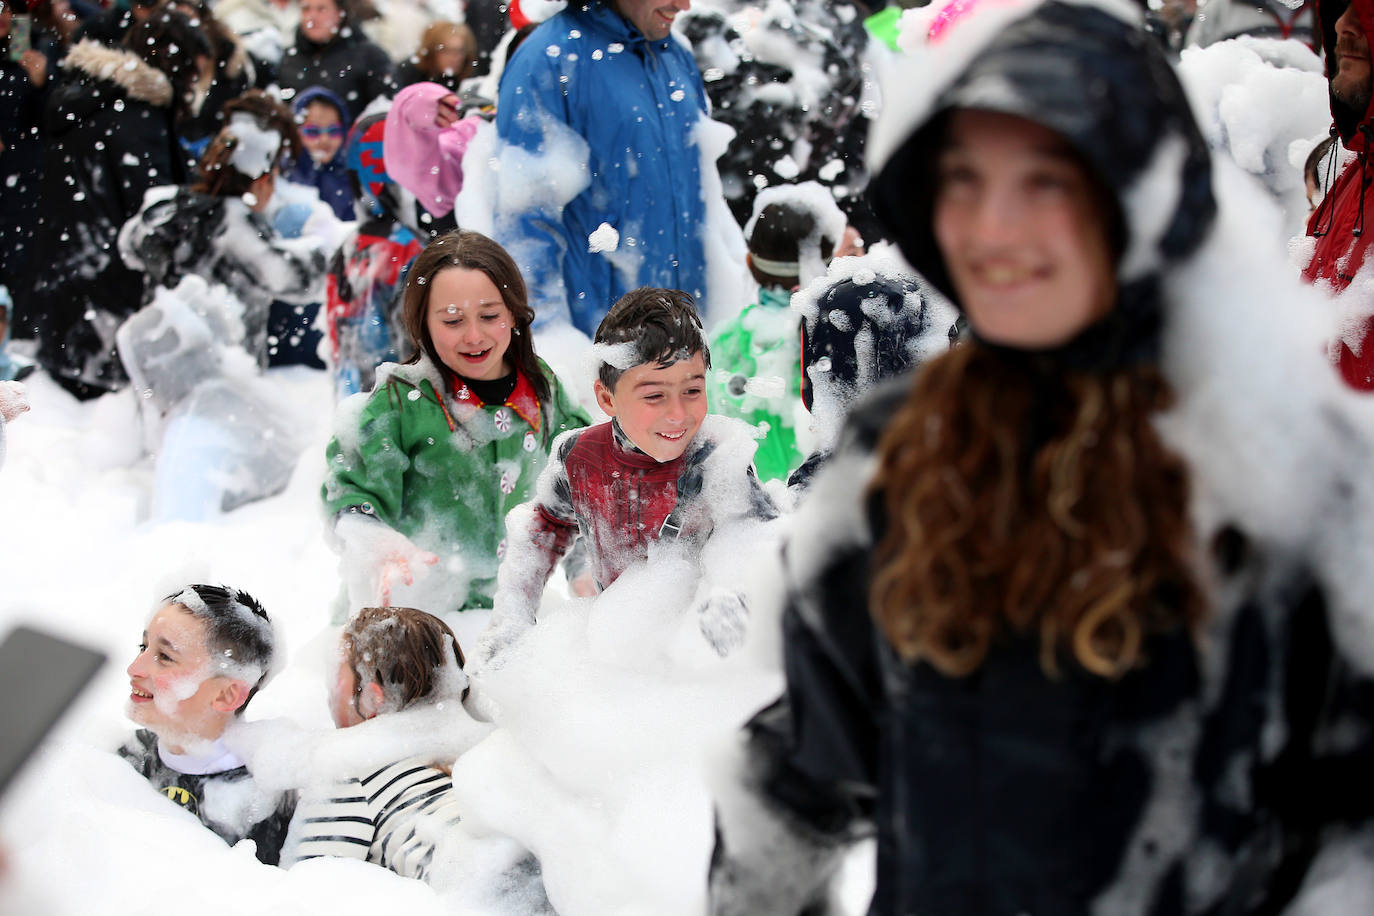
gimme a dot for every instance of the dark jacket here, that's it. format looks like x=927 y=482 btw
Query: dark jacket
x=110 y=138
x=1339 y=222
x=350 y=66
x=235 y=73
x=21 y=168
x=1203 y=779
x=1008 y=791
x=195 y=791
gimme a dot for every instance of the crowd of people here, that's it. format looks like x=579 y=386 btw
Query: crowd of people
x=1038 y=638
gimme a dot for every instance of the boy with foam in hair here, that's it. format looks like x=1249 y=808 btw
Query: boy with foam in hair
x=205 y=653
x=659 y=470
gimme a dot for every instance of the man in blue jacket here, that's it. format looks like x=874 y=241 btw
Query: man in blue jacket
x=607 y=102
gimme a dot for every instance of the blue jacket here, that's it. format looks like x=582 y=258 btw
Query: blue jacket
x=331 y=178
x=636 y=103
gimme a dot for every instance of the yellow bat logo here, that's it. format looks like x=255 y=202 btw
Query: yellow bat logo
x=181 y=797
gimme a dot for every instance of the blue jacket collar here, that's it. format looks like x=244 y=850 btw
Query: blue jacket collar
x=608 y=18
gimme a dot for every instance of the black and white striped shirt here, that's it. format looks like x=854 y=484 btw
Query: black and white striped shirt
x=393 y=817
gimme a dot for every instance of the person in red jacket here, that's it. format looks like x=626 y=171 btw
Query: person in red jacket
x=1338 y=224
x=660 y=470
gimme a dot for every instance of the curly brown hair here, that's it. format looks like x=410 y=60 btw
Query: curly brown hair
x=1078 y=530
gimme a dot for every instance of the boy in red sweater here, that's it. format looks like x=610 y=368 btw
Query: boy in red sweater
x=659 y=470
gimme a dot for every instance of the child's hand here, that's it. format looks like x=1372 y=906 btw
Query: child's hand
x=391 y=558
x=395 y=570
x=13 y=401
x=446 y=111
x=723 y=618
x=584 y=586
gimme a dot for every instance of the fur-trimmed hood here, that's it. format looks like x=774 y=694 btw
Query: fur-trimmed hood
x=136 y=77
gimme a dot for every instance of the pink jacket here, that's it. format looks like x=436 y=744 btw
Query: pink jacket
x=425 y=159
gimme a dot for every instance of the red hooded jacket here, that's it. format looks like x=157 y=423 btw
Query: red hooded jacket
x=1343 y=224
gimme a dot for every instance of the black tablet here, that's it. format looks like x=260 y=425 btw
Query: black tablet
x=40 y=675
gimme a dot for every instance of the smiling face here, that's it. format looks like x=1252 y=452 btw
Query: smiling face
x=469 y=323
x=321 y=131
x=1351 y=82
x=1019 y=226
x=653 y=18
x=320 y=19
x=171 y=692
x=659 y=407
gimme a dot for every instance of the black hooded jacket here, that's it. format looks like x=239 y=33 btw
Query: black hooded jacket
x=1009 y=790
x=348 y=65
x=111 y=137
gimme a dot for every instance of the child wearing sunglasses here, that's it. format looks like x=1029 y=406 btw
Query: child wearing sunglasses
x=323 y=121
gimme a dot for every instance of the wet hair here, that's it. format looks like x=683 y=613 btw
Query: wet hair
x=662 y=324
x=439 y=33
x=402 y=650
x=472 y=251
x=1081 y=539
x=167 y=41
x=217 y=176
x=238 y=632
x=777 y=236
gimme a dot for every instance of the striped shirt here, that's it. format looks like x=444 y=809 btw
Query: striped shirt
x=394 y=818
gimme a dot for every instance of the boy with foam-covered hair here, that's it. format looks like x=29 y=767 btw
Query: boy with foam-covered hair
x=205 y=653
x=660 y=469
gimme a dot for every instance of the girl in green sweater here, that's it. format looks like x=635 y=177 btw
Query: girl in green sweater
x=423 y=470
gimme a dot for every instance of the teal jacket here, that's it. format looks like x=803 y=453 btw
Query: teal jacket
x=444 y=471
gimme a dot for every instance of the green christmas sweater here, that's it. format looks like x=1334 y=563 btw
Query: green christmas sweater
x=445 y=470
x=756 y=377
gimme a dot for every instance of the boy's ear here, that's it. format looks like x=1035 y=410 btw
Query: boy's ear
x=232 y=695
x=604 y=398
x=370 y=700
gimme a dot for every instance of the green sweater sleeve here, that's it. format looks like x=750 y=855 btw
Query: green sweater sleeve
x=368 y=473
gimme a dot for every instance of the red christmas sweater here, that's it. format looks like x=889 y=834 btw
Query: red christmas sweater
x=600 y=487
